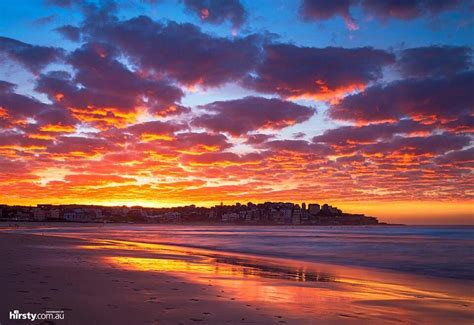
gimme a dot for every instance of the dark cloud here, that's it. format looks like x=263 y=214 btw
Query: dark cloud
x=366 y=134
x=201 y=141
x=324 y=10
x=61 y=3
x=432 y=145
x=153 y=128
x=321 y=10
x=6 y=86
x=407 y=9
x=101 y=81
x=251 y=113
x=322 y=73
x=19 y=107
x=80 y=146
x=44 y=20
x=224 y=158
x=460 y=157
x=256 y=139
x=382 y=10
x=299 y=146
x=180 y=51
x=419 y=99
x=70 y=32
x=462 y=124
x=217 y=11
x=13 y=139
x=435 y=61
x=32 y=57
x=16 y=109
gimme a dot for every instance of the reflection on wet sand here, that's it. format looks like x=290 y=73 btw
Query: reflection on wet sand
x=294 y=289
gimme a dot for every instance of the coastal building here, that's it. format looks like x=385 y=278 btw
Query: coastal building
x=296 y=217
x=39 y=214
x=230 y=217
x=262 y=213
x=314 y=208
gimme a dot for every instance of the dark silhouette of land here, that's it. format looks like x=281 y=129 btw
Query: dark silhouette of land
x=279 y=213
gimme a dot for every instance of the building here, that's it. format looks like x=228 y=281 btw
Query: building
x=314 y=208
x=39 y=214
x=230 y=217
x=296 y=217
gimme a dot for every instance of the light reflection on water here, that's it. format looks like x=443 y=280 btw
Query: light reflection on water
x=441 y=251
x=299 y=284
x=295 y=288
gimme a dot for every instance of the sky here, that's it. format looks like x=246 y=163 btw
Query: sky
x=362 y=104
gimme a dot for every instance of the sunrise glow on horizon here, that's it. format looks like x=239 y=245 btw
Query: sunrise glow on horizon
x=367 y=105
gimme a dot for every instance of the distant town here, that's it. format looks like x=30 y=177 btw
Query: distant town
x=278 y=213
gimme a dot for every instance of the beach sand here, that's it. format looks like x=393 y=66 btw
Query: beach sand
x=118 y=282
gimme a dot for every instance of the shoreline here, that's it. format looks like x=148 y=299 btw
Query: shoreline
x=368 y=295
x=206 y=223
x=79 y=231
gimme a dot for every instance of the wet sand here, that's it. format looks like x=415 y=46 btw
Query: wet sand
x=125 y=282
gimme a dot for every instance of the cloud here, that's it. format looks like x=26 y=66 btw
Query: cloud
x=96 y=179
x=44 y=20
x=319 y=10
x=407 y=10
x=222 y=159
x=299 y=146
x=241 y=116
x=421 y=99
x=324 y=10
x=434 y=61
x=157 y=129
x=217 y=12
x=103 y=90
x=81 y=147
x=61 y=3
x=70 y=32
x=32 y=57
x=180 y=51
x=458 y=158
x=432 y=145
x=372 y=133
x=16 y=109
x=317 y=73
x=197 y=142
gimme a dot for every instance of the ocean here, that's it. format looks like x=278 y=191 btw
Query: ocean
x=437 y=251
